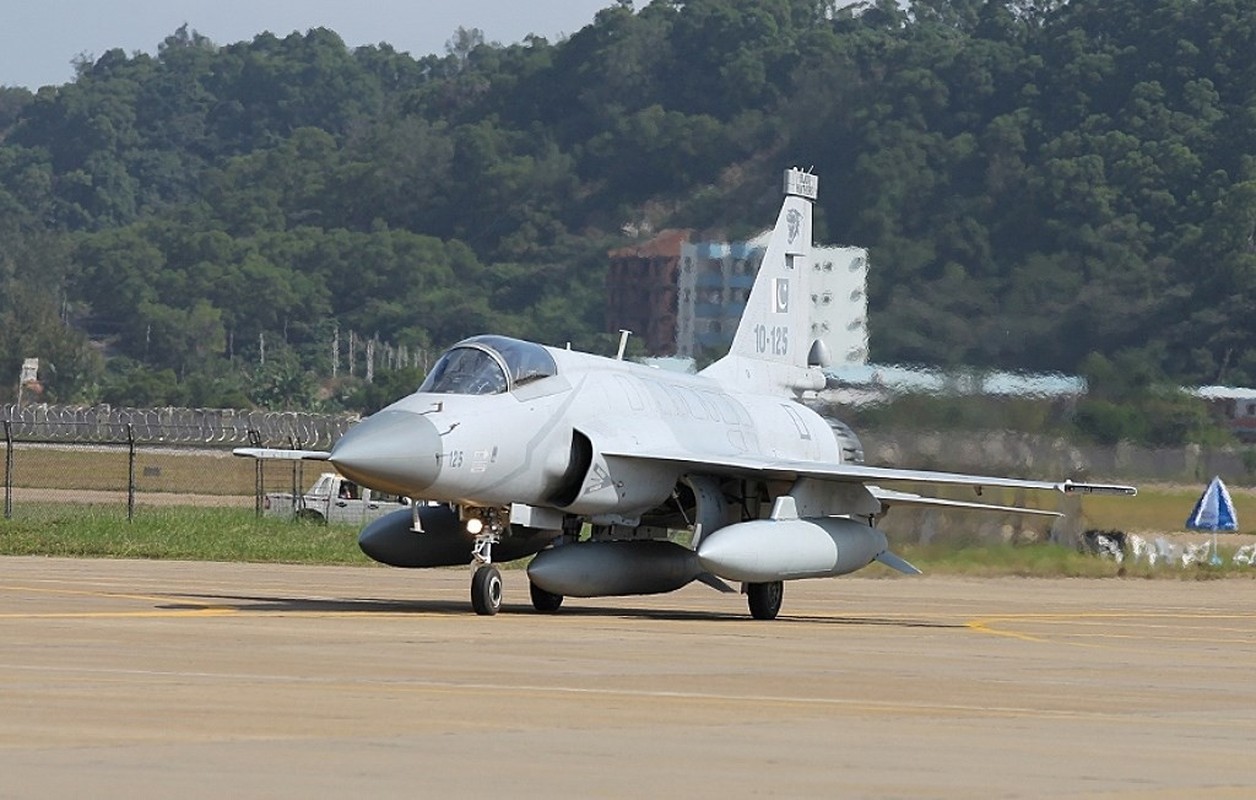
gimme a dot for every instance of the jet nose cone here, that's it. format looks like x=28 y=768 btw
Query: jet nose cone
x=393 y=451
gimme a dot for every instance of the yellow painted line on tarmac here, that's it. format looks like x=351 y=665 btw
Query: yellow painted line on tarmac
x=223 y=611
x=200 y=610
x=861 y=705
x=92 y=593
x=1174 y=638
x=172 y=613
x=985 y=626
x=1000 y=625
x=583 y=694
x=1094 y=617
x=1146 y=623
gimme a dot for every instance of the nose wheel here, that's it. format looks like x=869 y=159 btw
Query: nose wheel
x=486 y=590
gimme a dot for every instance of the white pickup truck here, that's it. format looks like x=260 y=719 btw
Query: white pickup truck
x=333 y=498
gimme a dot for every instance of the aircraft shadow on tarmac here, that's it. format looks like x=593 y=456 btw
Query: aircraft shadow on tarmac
x=339 y=606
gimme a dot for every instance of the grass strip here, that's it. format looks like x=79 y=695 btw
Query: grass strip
x=193 y=534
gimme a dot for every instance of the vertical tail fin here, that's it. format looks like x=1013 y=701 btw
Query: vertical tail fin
x=772 y=346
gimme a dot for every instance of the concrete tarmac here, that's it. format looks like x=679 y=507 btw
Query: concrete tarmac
x=168 y=679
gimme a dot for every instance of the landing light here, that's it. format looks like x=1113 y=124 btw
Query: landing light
x=474 y=526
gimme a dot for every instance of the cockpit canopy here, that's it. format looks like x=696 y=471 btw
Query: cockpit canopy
x=488 y=365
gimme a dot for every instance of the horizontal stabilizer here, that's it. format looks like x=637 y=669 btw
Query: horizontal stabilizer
x=896 y=562
x=282 y=455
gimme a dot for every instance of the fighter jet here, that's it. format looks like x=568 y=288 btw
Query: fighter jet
x=622 y=479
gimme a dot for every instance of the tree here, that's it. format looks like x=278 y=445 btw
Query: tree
x=1035 y=181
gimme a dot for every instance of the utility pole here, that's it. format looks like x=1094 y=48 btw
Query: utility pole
x=335 y=351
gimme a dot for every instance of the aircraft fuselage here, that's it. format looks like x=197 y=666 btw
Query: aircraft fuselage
x=553 y=441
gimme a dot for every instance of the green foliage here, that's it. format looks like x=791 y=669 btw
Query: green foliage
x=1249 y=461
x=129 y=384
x=930 y=412
x=1036 y=182
x=281 y=382
x=371 y=397
x=1129 y=399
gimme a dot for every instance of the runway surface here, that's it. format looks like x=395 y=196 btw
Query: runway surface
x=168 y=679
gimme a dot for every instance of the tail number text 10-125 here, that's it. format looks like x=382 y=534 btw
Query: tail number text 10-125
x=774 y=340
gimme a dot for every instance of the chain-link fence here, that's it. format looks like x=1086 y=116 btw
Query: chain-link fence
x=60 y=460
x=118 y=460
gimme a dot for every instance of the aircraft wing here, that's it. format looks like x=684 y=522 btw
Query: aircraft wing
x=282 y=455
x=862 y=473
x=890 y=497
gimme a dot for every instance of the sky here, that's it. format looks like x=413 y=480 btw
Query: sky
x=39 y=39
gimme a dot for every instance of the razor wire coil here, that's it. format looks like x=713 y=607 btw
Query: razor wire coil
x=173 y=426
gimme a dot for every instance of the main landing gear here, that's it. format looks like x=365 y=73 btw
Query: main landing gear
x=543 y=601
x=765 y=599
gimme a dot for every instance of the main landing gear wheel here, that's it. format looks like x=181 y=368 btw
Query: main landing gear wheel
x=543 y=601
x=765 y=599
x=486 y=590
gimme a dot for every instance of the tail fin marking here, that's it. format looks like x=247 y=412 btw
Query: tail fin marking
x=772 y=345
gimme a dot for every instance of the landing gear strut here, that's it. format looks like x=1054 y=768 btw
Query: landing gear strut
x=765 y=599
x=487 y=524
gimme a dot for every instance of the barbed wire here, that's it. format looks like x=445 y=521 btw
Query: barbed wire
x=176 y=426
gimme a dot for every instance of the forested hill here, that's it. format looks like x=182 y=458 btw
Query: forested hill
x=1038 y=182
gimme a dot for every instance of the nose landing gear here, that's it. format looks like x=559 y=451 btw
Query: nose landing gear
x=487 y=525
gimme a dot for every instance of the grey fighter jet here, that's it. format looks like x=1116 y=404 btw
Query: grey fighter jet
x=593 y=464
